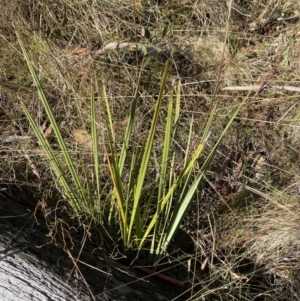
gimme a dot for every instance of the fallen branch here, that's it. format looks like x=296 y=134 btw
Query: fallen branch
x=7 y=139
x=151 y=50
x=258 y=87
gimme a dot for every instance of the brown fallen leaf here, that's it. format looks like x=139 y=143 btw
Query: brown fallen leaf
x=48 y=131
x=83 y=138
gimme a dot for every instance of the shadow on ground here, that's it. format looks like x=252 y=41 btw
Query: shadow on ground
x=32 y=269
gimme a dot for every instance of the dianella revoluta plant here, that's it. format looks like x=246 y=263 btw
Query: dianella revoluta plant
x=145 y=219
x=172 y=193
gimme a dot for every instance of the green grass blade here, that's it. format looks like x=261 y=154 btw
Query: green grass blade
x=108 y=121
x=148 y=147
x=147 y=152
x=115 y=177
x=166 y=149
x=112 y=161
x=214 y=149
x=180 y=212
x=52 y=159
x=95 y=148
x=171 y=191
x=129 y=126
x=163 y=178
x=81 y=194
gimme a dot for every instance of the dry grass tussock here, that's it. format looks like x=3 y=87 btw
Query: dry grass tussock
x=242 y=230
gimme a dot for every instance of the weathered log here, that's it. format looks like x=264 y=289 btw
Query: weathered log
x=31 y=269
